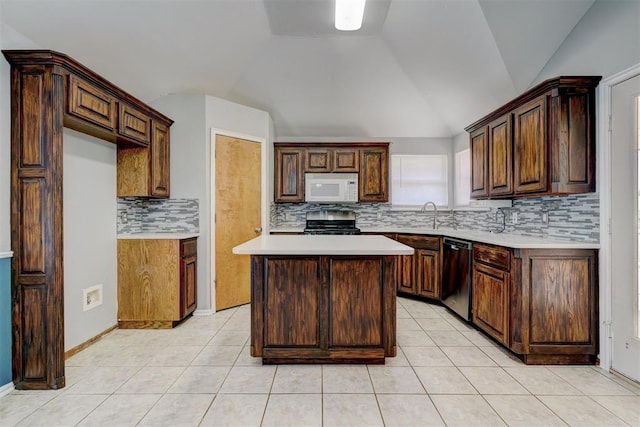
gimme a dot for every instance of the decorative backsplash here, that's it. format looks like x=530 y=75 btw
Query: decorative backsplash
x=142 y=215
x=575 y=217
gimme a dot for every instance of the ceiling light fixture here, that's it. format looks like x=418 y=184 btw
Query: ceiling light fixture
x=349 y=14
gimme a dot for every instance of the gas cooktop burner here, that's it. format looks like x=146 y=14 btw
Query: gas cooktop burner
x=331 y=222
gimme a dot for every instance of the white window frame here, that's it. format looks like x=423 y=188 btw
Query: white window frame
x=447 y=194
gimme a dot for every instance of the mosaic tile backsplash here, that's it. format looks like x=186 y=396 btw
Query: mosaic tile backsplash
x=141 y=215
x=575 y=217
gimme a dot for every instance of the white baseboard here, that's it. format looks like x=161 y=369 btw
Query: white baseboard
x=204 y=312
x=6 y=389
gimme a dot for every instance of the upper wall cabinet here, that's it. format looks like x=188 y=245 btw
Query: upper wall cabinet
x=293 y=160
x=541 y=143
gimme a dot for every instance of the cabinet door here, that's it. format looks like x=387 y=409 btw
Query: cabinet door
x=374 y=174
x=479 y=164
x=491 y=301
x=289 y=185
x=159 y=152
x=356 y=296
x=346 y=160
x=134 y=124
x=91 y=103
x=428 y=273
x=317 y=160
x=188 y=285
x=500 y=158
x=530 y=147
x=405 y=274
x=292 y=283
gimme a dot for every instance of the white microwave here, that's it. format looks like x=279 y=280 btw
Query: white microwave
x=331 y=187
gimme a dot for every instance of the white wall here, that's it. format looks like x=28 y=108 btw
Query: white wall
x=89 y=198
x=194 y=116
x=605 y=41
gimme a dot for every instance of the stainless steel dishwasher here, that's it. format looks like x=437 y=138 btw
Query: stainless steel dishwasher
x=456 y=276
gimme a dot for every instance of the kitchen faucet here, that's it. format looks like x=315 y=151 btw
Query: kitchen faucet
x=435 y=214
x=504 y=220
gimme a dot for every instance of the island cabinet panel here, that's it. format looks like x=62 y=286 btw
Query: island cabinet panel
x=322 y=309
x=294 y=284
x=356 y=303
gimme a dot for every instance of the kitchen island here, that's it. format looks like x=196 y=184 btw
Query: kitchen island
x=323 y=299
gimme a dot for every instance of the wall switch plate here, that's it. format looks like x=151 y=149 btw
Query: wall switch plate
x=545 y=217
x=379 y=215
x=514 y=217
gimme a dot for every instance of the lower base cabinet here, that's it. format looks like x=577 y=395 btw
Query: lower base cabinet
x=156 y=282
x=540 y=303
x=420 y=274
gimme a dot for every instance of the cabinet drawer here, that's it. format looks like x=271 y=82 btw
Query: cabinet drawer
x=188 y=247
x=420 y=242
x=134 y=124
x=492 y=255
x=92 y=104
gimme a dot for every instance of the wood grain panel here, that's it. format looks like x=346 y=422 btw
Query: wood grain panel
x=428 y=281
x=490 y=301
x=148 y=279
x=374 y=173
x=132 y=173
x=346 y=160
x=355 y=295
x=496 y=256
x=91 y=103
x=188 y=281
x=159 y=160
x=530 y=147
x=406 y=274
x=237 y=215
x=134 y=124
x=317 y=160
x=479 y=163
x=32 y=225
x=32 y=120
x=34 y=321
x=560 y=301
x=292 y=302
x=288 y=181
x=500 y=157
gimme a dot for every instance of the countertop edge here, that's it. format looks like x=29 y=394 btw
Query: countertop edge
x=157 y=236
x=7 y=254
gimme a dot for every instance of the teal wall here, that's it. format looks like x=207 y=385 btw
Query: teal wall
x=5 y=321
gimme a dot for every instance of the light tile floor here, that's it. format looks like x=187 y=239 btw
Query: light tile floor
x=201 y=373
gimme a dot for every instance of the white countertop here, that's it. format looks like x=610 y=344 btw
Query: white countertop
x=158 y=236
x=322 y=245
x=509 y=240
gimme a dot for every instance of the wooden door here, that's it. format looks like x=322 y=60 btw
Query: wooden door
x=500 y=158
x=237 y=216
x=530 y=147
x=479 y=163
x=428 y=273
x=490 y=303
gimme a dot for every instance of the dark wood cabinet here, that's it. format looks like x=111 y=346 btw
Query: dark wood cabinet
x=551 y=129
x=144 y=171
x=293 y=160
x=322 y=308
x=134 y=124
x=50 y=91
x=479 y=163
x=157 y=282
x=289 y=176
x=500 y=157
x=540 y=303
x=490 y=291
x=530 y=146
x=421 y=273
x=374 y=174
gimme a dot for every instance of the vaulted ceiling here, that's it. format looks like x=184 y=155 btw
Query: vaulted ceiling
x=417 y=68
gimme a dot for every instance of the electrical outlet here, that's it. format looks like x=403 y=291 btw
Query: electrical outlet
x=124 y=217
x=545 y=217
x=514 y=217
x=379 y=215
x=91 y=297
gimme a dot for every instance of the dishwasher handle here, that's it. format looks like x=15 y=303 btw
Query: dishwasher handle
x=456 y=245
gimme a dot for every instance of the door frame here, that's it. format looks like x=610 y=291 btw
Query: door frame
x=264 y=202
x=603 y=154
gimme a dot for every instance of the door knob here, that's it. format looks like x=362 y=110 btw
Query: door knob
x=258 y=230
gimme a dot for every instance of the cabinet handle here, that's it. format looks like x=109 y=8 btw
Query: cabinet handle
x=258 y=230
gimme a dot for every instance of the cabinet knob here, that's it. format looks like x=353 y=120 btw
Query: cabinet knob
x=258 y=230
